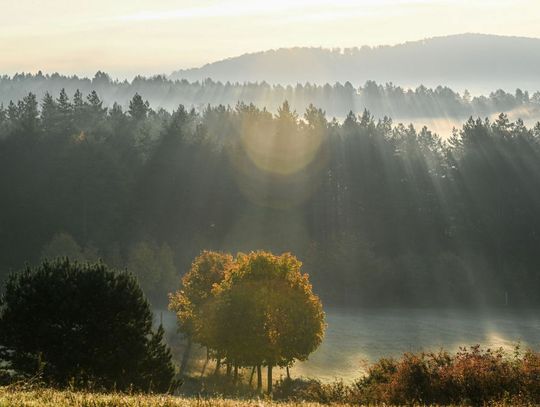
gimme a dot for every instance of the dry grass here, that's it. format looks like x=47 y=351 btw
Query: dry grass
x=42 y=397
x=48 y=398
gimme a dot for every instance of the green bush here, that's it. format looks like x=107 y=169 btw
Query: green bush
x=84 y=326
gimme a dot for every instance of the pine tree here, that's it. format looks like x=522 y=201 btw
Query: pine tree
x=85 y=324
x=138 y=109
x=158 y=366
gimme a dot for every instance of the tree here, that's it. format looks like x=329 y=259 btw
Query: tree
x=194 y=296
x=154 y=267
x=268 y=312
x=49 y=114
x=138 y=109
x=63 y=245
x=82 y=324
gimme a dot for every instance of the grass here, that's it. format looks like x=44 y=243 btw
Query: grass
x=10 y=396
x=43 y=397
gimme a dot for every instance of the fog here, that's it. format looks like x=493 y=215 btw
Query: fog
x=439 y=108
x=356 y=338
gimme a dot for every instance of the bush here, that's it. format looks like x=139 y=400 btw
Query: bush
x=472 y=376
x=82 y=325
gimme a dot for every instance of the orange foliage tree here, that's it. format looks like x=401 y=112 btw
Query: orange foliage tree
x=195 y=294
x=266 y=313
x=257 y=310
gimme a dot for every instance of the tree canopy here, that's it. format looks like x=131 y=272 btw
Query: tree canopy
x=256 y=310
x=381 y=214
x=83 y=325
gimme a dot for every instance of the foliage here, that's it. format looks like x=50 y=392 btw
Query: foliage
x=63 y=245
x=270 y=305
x=463 y=211
x=82 y=325
x=196 y=290
x=335 y=98
x=258 y=309
x=472 y=376
x=154 y=268
x=265 y=312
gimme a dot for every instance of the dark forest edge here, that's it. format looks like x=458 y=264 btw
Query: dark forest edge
x=152 y=188
x=335 y=98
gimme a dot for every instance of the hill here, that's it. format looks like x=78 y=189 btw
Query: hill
x=479 y=62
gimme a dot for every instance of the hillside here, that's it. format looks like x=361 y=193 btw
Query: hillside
x=478 y=62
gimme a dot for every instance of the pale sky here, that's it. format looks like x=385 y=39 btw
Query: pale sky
x=129 y=37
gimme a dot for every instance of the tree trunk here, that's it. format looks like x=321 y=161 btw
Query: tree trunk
x=270 y=380
x=229 y=369
x=235 y=378
x=218 y=365
x=251 y=376
x=205 y=363
x=288 y=373
x=259 y=378
x=185 y=357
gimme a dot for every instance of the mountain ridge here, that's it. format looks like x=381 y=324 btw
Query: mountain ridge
x=468 y=60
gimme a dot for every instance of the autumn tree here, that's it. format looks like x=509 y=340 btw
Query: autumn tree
x=194 y=295
x=267 y=313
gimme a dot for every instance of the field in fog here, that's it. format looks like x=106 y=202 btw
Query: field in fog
x=355 y=338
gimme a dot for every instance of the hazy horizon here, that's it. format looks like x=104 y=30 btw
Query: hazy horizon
x=131 y=38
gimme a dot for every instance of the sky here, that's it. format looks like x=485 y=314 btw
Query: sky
x=130 y=37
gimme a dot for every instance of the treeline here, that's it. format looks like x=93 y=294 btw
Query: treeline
x=336 y=99
x=380 y=214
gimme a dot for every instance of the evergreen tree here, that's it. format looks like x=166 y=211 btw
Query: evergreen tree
x=84 y=325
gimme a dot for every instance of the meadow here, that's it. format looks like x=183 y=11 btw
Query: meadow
x=55 y=398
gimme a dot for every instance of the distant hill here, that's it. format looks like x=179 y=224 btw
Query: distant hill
x=478 y=62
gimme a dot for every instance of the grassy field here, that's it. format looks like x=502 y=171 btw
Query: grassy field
x=49 y=398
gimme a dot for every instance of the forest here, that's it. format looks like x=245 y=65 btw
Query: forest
x=336 y=99
x=381 y=214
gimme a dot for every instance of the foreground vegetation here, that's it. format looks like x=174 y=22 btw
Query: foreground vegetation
x=54 y=398
x=44 y=397
x=471 y=376
x=90 y=327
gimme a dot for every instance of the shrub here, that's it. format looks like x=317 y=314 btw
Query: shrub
x=82 y=325
x=472 y=376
